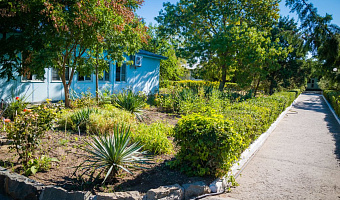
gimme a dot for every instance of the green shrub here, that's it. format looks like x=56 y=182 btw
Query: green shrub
x=154 y=137
x=197 y=84
x=101 y=121
x=81 y=118
x=208 y=144
x=333 y=97
x=186 y=100
x=113 y=152
x=84 y=99
x=296 y=91
x=15 y=106
x=105 y=120
x=27 y=130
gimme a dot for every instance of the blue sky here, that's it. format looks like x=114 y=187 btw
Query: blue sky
x=151 y=9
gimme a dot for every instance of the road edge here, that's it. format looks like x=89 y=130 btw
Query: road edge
x=331 y=108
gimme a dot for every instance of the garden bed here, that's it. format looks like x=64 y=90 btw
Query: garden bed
x=214 y=130
x=67 y=148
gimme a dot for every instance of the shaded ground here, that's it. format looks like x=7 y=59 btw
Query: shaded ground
x=300 y=159
x=67 y=148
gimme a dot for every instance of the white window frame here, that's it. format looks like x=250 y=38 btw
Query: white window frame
x=58 y=81
x=120 y=74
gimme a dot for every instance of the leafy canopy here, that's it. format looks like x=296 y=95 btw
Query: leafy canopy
x=222 y=35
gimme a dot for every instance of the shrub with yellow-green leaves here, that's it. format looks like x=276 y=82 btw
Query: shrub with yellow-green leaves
x=94 y=120
x=333 y=97
x=211 y=142
x=208 y=144
x=154 y=137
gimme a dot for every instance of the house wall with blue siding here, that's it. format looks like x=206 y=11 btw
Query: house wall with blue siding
x=144 y=78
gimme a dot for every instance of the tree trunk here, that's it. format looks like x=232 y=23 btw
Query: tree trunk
x=224 y=77
x=271 y=87
x=67 y=96
x=257 y=87
x=97 y=90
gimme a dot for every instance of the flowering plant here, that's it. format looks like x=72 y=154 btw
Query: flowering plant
x=28 y=129
x=15 y=106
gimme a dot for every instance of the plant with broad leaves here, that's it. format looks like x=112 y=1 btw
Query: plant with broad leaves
x=42 y=163
x=113 y=152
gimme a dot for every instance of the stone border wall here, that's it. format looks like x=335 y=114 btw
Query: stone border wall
x=16 y=186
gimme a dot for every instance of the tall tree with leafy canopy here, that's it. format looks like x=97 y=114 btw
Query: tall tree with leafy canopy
x=20 y=22
x=77 y=33
x=215 y=33
x=322 y=38
x=293 y=71
x=172 y=68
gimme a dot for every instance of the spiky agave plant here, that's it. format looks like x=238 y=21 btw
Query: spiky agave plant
x=129 y=101
x=113 y=152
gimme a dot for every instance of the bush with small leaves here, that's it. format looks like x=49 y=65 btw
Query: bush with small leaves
x=208 y=144
x=154 y=137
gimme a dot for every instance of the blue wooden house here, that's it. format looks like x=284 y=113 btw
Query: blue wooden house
x=142 y=76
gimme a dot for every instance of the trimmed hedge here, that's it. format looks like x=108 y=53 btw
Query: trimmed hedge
x=333 y=97
x=209 y=143
x=196 y=84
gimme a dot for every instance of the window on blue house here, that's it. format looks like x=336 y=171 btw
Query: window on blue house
x=84 y=78
x=120 y=72
x=106 y=75
x=56 y=77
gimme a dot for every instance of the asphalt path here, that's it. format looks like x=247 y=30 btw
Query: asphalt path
x=299 y=160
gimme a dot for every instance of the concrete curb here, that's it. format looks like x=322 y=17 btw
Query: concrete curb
x=219 y=185
x=332 y=110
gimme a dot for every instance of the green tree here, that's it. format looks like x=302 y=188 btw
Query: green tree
x=293 y=70
x=172 y=68
x=19 y=24
x=215 y=32
x=77 y=33
x=321 y=37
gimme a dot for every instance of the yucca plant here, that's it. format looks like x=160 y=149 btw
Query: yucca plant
x=131 y=102
x=113 y=152
x=82 y=116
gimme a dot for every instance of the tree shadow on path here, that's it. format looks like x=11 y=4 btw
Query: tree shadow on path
x=317 y=104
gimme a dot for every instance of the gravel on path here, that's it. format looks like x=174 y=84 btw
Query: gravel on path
x=299 y=160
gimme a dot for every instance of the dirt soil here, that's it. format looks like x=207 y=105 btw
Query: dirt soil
x=153 y=115
x=67 y=148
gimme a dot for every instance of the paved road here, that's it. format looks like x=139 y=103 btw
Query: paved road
x=300 y=159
